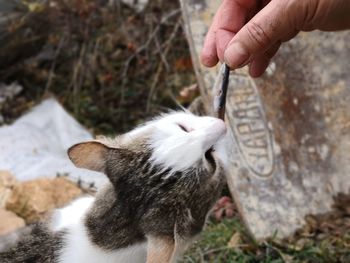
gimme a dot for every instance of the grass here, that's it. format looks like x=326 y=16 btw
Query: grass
x=227 y=241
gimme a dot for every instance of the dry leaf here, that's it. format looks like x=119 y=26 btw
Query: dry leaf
x=188 y=94
x=183 y=63
x=235 y=240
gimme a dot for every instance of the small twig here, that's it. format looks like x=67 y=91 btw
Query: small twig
x=53 y=65
x=131 y=58
x=149 y=40
x=220 y=96
x=77 y=76
x=202 y=257
x=161 y=54
x=160 y=65
x=216 y=250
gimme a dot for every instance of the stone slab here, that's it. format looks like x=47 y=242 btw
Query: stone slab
x=290 y=129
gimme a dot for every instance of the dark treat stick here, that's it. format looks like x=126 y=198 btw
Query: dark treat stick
x=220 y=96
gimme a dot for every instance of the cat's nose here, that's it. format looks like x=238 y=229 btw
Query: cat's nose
x=219 y=125
x=215 y=129
x=216 y=123
x=211 y=126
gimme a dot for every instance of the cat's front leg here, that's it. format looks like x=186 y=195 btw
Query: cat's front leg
x=160 y=249
x=180 y=247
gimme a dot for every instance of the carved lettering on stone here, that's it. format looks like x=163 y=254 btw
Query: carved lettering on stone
x=250 y=129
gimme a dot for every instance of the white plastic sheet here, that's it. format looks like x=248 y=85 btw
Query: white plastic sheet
x=36 y=145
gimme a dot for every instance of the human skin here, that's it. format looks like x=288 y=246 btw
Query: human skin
x=250 y=32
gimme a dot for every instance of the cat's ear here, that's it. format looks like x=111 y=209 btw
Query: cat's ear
x=89 y=155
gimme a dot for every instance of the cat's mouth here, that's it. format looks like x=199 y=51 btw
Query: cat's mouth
x=209 y=156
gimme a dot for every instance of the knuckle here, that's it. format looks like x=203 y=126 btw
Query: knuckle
x=257 y=35
x=311 y=11
x=302 y=13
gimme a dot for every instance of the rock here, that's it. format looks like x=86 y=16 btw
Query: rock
x=7 y=182
x=306 y=126
x=33 y=200
x=139 y=5
x=8 y=92
x=9 y=222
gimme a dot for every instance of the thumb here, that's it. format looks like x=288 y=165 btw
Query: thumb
x=264 y=30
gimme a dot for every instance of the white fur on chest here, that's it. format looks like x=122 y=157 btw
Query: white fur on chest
x=77 y=246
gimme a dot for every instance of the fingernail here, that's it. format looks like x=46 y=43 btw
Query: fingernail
x=236 y=56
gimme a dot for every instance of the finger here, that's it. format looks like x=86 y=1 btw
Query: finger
x=258 y=66
x=246 y=4
x=223 y=37
x=260 y=5
x=261 y=62
x=232 y=17
x=208 y=55
x=258 y=35
x=229 y=18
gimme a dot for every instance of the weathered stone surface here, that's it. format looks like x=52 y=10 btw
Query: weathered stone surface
x=9 y=222
x=7 y=182
x=290 y=129
x=33 y=200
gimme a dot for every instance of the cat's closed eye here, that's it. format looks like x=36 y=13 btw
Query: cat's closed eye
x=182 y=127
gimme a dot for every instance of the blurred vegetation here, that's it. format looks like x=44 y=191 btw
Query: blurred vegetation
x=227 y=241
x=109 y=65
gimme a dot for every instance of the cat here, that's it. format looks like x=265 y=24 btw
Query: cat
x=164 y=177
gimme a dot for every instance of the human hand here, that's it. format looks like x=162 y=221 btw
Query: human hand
x=271 y=22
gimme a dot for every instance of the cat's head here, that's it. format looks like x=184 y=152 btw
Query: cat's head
x=176 y=141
